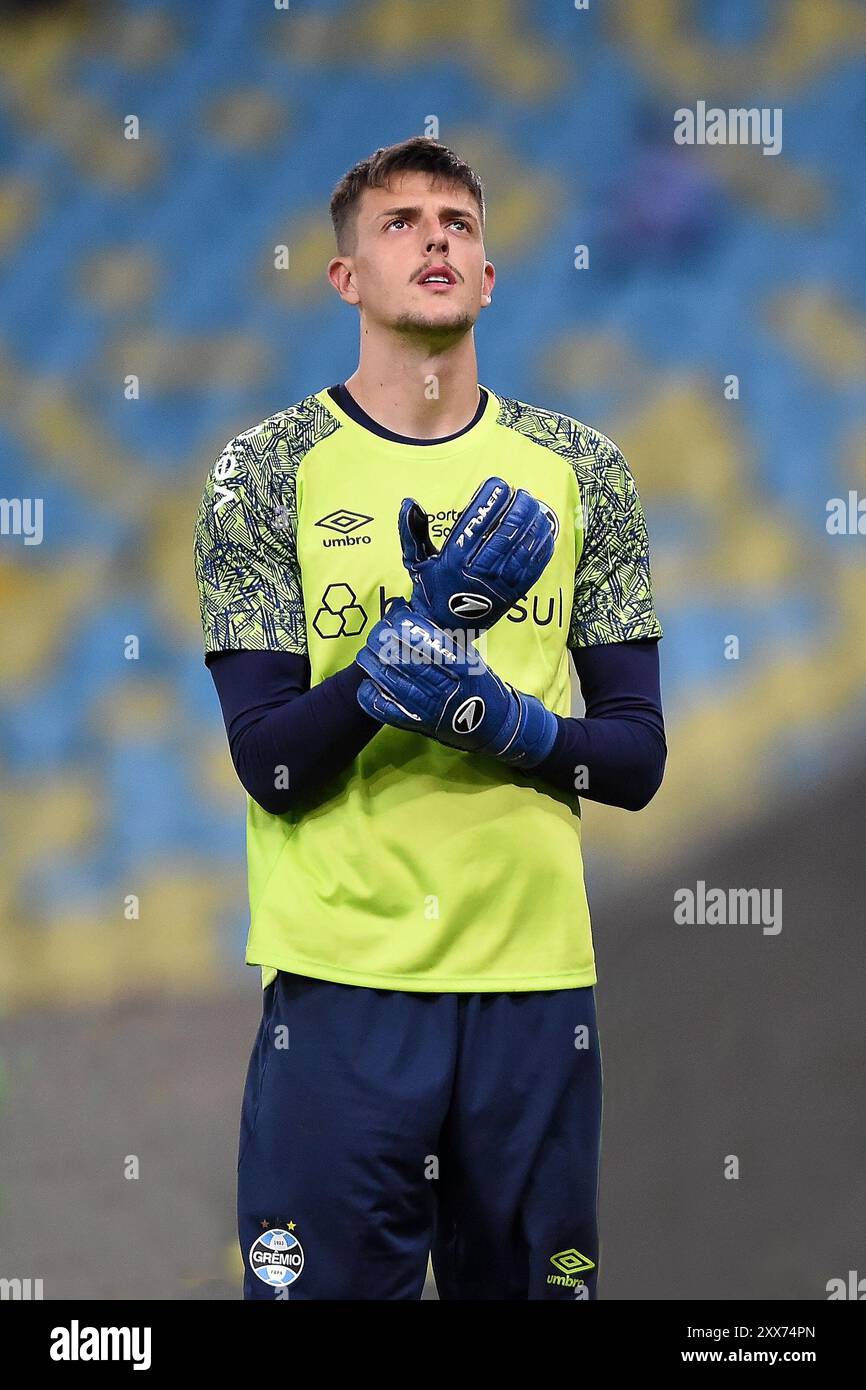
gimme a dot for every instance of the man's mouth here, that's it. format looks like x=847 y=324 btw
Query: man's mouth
x=438 y=275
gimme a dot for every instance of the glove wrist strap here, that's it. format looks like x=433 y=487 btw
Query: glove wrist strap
x=529 y=738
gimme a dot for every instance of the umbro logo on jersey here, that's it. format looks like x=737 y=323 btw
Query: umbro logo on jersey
x=344 y=522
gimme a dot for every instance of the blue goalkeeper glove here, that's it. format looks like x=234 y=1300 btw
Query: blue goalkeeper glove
x=421 y=679
x=495 y=552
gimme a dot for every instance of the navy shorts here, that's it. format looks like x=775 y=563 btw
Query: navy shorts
x=382 y=1125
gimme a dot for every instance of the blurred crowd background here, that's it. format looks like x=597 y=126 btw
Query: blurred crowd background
x=143 y=322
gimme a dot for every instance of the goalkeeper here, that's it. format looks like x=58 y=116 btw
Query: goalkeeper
x=394 y=581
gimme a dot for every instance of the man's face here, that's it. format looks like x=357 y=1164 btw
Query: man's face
x=415 y=229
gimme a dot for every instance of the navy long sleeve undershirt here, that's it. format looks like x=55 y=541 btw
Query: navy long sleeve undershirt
x=620 y=742
x=615 y=754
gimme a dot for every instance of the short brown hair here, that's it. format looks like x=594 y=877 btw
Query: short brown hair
x=420 y=155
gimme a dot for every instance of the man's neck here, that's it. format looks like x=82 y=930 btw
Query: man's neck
x=425 y=396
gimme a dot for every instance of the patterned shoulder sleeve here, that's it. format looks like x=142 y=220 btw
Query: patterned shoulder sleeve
x=246 y=562
x=613 y=599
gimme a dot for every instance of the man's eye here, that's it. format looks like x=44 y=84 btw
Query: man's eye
x=395 y=220
x=458 y=221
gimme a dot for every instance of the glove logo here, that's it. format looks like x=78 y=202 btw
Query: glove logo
x=276 y=1257
x=340 y=615
x=469 y=605
x=468 y=716
x=481 y=515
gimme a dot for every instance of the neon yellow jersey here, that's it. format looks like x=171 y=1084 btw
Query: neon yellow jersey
x=419 y=867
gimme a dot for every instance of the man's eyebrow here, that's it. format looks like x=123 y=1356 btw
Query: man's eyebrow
x=414 y=212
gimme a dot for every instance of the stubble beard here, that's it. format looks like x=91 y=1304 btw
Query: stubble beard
x=434 y=332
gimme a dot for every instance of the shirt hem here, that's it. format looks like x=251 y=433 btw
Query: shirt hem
x=451 y=984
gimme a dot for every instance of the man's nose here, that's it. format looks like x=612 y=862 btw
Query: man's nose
x=437 y=238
